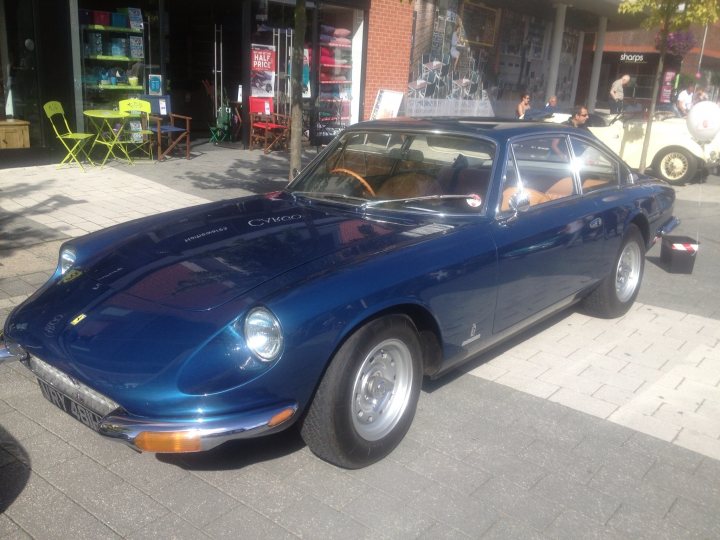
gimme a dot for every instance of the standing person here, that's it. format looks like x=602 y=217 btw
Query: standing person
x=456 y=42
x=685 y=99
x=523 y=106
x=617 y=93
x=579 y=117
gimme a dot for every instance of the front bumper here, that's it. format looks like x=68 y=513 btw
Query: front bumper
x=146 y=434
x=199 y=435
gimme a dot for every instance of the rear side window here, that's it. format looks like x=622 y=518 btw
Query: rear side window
x=596 y=169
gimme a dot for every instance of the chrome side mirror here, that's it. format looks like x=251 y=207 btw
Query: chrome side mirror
x=520 y=201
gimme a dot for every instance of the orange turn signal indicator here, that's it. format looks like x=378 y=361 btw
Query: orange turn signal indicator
x=169 y=441
x=281 y=417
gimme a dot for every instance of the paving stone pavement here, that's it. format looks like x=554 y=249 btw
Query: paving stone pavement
x=579 y=428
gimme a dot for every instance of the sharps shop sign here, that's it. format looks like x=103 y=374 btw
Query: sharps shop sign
x=632 y=58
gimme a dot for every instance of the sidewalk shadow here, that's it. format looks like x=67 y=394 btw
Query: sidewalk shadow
x=14 y=469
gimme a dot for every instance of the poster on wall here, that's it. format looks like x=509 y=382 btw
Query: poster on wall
x=262 y=70
x=387 y=104
x=667 y=87
x=306 y=73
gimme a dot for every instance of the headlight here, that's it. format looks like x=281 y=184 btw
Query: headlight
x=67 y=260
x=263 y=334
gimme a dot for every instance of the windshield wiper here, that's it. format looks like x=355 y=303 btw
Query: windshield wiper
x=370 y=204
x=324 y=195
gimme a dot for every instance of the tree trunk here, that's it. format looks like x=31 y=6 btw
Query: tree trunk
x=296 y=113
x=653 y=100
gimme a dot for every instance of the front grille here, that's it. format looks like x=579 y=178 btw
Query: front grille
x=72 y=388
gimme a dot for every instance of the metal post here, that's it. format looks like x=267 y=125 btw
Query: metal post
x=702 y=49
x=556 y=49
x=597 y=63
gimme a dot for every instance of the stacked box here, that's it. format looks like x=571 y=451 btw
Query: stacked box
x=137 y=50
x=119 y=20
x=101 y=17
x=134 y=18
x=85 y=16
x=117 y=47
x=95 y=43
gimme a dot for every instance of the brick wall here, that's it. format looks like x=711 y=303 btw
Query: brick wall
x=388 y=54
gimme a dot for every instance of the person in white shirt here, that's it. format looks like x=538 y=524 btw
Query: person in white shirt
x=685 y=100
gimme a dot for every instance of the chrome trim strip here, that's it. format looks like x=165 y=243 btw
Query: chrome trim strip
x=213 y=432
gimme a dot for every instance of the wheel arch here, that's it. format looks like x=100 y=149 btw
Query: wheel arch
x=427 y=328
x=640 y=220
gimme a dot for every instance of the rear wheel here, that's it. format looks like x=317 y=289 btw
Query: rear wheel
x=366 y=401
x=617 y=292
x=676 y=165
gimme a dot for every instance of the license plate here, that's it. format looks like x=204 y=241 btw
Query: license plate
x=81 y=413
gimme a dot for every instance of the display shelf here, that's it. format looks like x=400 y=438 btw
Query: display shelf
x=342 y=66
x=111 y=51
x=334 y=81
x=119 y=29
x=107 y=58
x=115 y=87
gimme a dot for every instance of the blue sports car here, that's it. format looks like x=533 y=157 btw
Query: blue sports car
x=406 y=248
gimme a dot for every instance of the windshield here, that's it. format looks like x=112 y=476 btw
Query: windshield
x=424 y=172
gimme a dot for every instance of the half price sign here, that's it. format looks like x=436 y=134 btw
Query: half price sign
x=263 y=60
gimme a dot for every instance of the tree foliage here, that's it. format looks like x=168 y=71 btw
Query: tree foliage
x=672 y=15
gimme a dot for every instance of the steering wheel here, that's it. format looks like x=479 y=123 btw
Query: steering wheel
x=357 y=177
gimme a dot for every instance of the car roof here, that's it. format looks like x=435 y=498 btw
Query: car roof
x=499 y=129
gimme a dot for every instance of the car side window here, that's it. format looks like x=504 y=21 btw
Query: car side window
x=543 y=170
x=596 y=169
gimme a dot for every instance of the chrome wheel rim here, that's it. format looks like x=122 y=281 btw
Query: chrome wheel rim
x=627 y=274
x=382 y=389
x=674 y=165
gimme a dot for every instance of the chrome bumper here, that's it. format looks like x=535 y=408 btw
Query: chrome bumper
x=206 y=433
x=211 y=432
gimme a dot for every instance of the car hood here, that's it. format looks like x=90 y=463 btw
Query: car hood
x=145 y=305
x=209 y=255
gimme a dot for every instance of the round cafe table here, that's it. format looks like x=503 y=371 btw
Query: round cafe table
x=109 y=126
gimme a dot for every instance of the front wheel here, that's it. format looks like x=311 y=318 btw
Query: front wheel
x=676 y=165
x=617 y=292
x=367 y=398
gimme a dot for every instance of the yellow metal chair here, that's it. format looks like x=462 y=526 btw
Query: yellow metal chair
x=138 y=136
x=74 y=143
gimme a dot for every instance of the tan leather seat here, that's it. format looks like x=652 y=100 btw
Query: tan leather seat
x=590 y=184
x=535 y=197
x=408 y=185
x=562 y=188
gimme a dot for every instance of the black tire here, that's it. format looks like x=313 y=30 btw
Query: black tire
x=618 y=291
x=354 y=419
x=675 y=165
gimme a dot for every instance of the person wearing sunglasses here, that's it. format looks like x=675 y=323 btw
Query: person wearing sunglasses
x=579 y=117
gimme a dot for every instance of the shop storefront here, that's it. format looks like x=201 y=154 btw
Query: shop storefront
x=89 y=54
x=642 y=67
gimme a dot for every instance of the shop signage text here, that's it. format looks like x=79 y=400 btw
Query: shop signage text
x=632 y=58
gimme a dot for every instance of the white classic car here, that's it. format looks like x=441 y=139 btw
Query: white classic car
x=673 y=154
